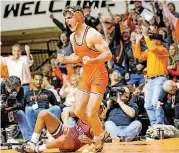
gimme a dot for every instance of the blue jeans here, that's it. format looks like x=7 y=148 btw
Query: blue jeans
x=154 y=89
x=132 y=130
x=26 y=88
x=23 y=124
x=32 y=114
x=136 y=79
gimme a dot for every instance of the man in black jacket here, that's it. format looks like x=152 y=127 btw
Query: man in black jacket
x=133 y=66
x=12 y=105
x=89 y=20
x=39 y=99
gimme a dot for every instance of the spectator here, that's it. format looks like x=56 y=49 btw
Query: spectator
x=10 y=88
x=157 y=62
x=61 y=26
x=64 y=47
x=54 y=75
x=173 y=62
x=139 y=94
x=173 y=21
x=109 y=24
x=140 y=90
x=63 y=43
x=153 y=25
x=121 y=118
x=118 y=41
x=99 y=27
x=167 y=36
x=48 y=86
x=133 y=19
x=89 y=20
x=119 y=50
x=172 y=8
x=19 y=65
x=138 y=6
x=39 y=99
x=133 y=66
x=125 y=44
x=170 y=101
x=68 y=90
x=56 y=72
x=159 y=13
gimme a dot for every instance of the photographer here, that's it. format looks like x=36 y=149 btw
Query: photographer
x=121 y=115
x=12 y=104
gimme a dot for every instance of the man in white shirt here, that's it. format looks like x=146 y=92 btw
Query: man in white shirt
x=19 y=65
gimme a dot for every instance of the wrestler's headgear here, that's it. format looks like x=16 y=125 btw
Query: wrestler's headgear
x=76 y=11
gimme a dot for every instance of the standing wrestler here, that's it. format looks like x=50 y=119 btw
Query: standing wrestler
x=89 y=48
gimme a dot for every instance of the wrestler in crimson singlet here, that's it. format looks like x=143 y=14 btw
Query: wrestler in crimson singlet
x=79 y=129
x=95 y=76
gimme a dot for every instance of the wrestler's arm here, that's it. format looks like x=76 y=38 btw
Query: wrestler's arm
x=95 y=39
x=72 y=59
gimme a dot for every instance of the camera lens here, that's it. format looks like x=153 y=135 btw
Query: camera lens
x=122 y=90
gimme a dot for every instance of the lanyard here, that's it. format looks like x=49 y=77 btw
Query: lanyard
x=35 y=97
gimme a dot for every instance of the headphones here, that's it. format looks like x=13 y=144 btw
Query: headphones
x=77 y=11
x=79 y=16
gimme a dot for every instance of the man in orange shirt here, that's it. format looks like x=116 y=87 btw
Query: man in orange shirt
x=157 y=62
x=90 y=49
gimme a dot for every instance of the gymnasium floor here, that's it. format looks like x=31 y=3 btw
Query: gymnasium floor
x=151 y=146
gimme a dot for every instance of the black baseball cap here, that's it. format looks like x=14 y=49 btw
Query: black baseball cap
x=156 y=36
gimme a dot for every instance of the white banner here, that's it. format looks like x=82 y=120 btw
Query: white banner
x=18 y=15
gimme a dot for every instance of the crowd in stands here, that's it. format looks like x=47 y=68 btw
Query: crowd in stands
x=144 y=70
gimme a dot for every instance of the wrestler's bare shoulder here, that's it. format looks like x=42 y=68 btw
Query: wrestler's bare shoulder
x=93 y=36
x=93 y=33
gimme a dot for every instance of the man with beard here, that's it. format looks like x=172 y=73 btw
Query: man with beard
x=39 y=99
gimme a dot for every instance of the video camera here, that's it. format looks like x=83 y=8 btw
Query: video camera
x=8 y=100
x=113 y=94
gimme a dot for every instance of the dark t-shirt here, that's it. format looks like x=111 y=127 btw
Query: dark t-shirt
x=168 y=97
x=119 y=117
x=43 y=97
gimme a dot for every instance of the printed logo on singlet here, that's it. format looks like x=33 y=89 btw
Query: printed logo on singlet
x=79 y=129
x=96 y=84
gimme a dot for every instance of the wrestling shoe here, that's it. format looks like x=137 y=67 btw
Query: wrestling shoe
x=29 y=147
x=97 y=145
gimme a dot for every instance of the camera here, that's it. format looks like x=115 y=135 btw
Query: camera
x=113 y=94
x=8 y=100
x=11 y=100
